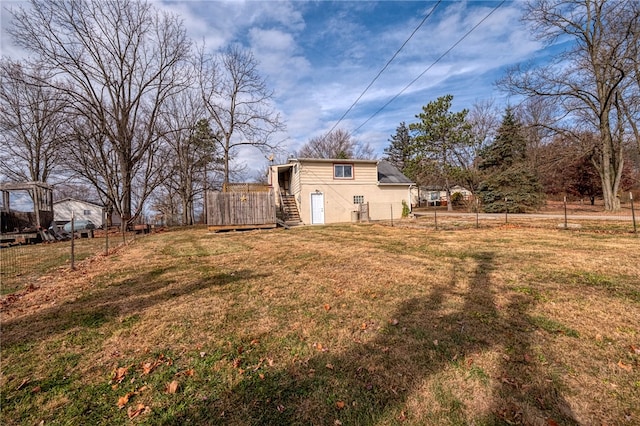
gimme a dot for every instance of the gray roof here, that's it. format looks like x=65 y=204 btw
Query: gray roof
x=388 y=174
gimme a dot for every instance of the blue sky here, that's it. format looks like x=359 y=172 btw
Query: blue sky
x=319 y=56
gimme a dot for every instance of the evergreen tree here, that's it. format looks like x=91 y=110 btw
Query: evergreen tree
x=441 y=135
x=400 y=151
x=509 y=184
x=509 y=146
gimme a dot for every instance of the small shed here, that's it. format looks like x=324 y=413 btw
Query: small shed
x=251 y=208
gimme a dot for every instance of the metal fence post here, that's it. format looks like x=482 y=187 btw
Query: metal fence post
x=435 y=215
x=506 y=211
x=565 y=212
x=633 y=212
x=477 y=214
x=73 y=238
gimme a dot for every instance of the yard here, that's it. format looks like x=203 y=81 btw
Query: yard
x=337 y=325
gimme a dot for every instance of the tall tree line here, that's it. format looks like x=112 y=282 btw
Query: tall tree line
x=116 y=74
x=578 y=113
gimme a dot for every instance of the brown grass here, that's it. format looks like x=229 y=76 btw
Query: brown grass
x=361 y=324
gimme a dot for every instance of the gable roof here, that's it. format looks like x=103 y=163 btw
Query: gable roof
x=388 y=174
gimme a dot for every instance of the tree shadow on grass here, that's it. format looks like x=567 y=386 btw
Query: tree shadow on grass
x=99 y=306
x=371 y=382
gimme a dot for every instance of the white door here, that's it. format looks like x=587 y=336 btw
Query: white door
x=317 y=208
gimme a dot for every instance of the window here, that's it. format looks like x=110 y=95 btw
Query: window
x=358 y=199
x=87 y=212
x=343 y=171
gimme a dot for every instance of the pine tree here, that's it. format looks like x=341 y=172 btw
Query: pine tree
x=400 y=151
x=509 y=184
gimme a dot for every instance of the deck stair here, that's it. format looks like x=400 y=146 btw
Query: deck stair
x=289 y=210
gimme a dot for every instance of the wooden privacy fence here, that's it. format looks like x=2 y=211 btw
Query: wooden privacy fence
x=240 y=210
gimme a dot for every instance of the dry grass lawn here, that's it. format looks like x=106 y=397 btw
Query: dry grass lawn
x=351 y=325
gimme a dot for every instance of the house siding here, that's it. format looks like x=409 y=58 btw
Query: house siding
x=309 y=176
x=62 y=211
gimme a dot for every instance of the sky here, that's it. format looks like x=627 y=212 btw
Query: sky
x=319 y=56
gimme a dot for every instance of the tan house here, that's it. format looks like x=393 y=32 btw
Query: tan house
x=334 y=191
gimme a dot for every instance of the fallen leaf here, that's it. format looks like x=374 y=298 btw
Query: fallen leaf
x=551 y=422
x=261 y=376
x=202 y=354
x=36 y=389
x=327 y=307
x=132 y=413
x=340 y=405
x=119 y=374
x=435 y=342
x=363 y=326
x=124 y=400
x=236 y=363
x=190 y=372
x=394 y=322
x=172 y=387
x=337 y=422
x=255 y=342
x=624 y=366
x=635 y=349
x=329 y=366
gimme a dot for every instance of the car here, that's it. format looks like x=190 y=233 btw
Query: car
x=79 y=225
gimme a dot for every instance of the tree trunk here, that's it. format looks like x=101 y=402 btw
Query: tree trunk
x=609 y=165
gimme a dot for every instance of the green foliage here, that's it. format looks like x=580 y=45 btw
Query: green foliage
x=457 y=199
x=400 y=151
x=405 y=209
x=518 y=185
x=509 y=184
x=509 y=146
x=440 y=135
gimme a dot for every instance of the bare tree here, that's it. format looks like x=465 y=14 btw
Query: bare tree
x=118 y=61
x=32 y=123
x=336 y=144
x=585 y=80
x=190 y=149
x=238 y=103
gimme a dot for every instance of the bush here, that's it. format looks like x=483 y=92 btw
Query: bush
x=405 y=209
x=457 y=199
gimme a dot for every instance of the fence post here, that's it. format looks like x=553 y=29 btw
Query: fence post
x=105 y=228
x=73 y=239
x=391 y=214
x=477 y=214
x=506 y=211
x=435 y=215
x=633 y=212
x=565 y=212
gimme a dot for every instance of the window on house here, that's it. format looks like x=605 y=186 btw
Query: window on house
x=358 y=199
x=343 y=171
x=86 y=212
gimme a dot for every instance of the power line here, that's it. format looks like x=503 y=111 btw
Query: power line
x=385 y=67
x=431 y=66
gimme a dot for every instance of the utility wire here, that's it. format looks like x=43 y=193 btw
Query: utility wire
x=431 y=66
x=385 y=67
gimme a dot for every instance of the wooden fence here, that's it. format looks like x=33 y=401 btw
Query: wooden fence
x=240 y=210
